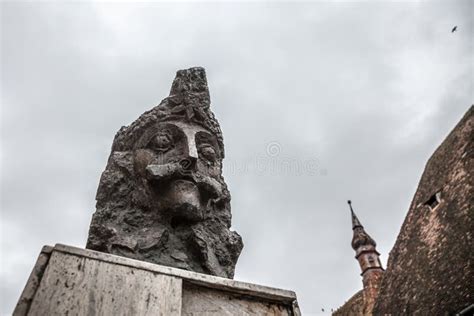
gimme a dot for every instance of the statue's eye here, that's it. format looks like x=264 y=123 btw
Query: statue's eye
x=207 y=152
x=162 y=142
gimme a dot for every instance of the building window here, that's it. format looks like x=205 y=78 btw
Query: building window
x=434 y=201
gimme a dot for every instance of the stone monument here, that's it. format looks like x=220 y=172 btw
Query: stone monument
x=162 y=197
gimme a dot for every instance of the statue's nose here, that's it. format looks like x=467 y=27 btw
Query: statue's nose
x=188 y=162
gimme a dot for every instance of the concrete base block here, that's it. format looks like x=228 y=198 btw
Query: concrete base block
x=73 y=281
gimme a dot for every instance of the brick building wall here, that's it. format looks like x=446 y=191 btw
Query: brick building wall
x=430 y=268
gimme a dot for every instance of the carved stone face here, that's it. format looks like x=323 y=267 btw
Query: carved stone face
x=162 y=197
x=180 y=164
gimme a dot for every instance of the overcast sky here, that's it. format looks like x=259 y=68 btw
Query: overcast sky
x=353 y=96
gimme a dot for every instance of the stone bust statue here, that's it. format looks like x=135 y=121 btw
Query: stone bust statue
x=162 y=197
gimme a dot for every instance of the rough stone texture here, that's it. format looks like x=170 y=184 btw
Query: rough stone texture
x=371 y=280
x=162 y=197
x=354 y=306
x=430 y=268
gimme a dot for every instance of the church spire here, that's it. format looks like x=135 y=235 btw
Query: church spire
x=360 y=238
x=368 y=259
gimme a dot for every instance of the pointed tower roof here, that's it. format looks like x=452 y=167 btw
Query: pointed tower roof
x=355 y=220
x=360 y=238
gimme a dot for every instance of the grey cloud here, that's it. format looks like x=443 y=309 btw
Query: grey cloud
x=368 y=89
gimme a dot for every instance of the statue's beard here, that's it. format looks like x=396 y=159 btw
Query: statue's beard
x=183 y=202
x=182 y=198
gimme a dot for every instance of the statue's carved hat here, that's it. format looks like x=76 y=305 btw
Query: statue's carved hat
x=189 y=100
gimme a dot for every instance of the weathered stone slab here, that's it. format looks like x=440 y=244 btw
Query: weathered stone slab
x=33 y=281
x=73 y=281
x=199 y=301
x=82 y=286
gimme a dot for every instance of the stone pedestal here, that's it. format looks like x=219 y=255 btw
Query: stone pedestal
x=73 y=281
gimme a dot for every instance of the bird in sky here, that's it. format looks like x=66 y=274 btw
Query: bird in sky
x=454 y=29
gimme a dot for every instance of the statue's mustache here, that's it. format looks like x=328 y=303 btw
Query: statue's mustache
x=179 y=170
